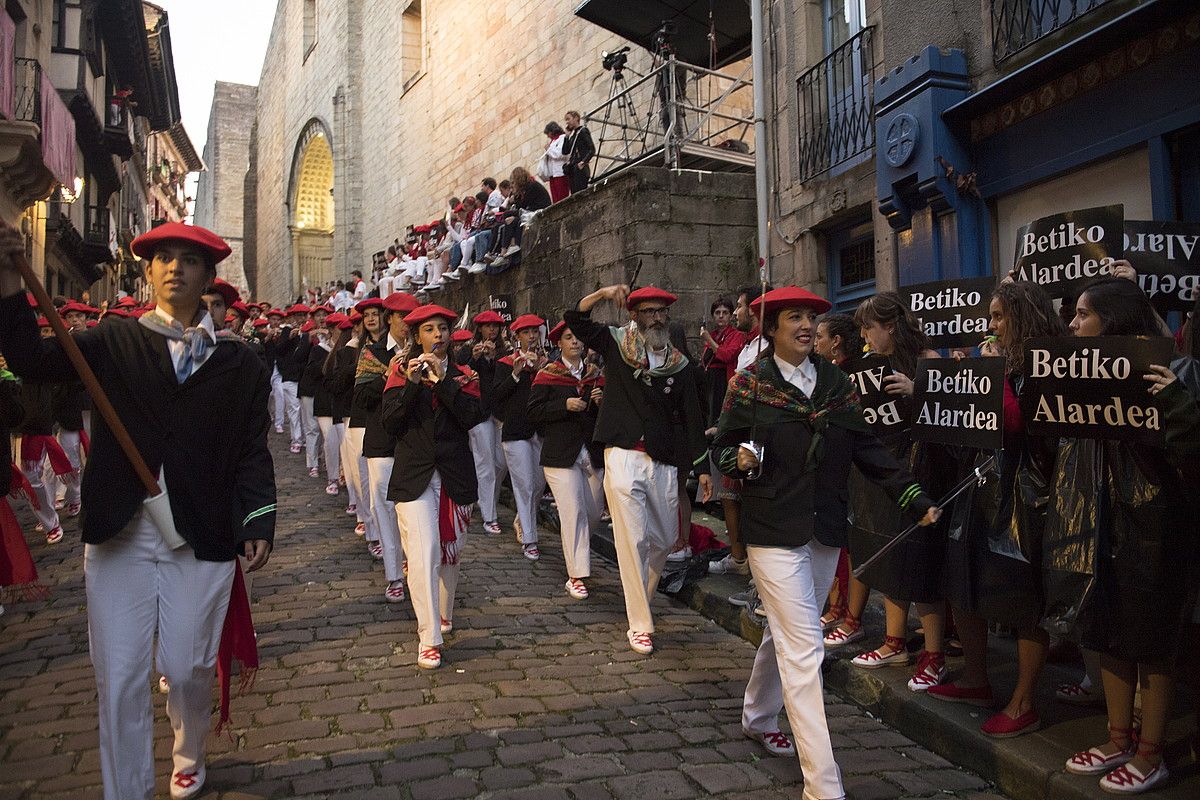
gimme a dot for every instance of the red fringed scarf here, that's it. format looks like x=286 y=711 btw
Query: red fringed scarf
x=33 y=447
x=453 y=520
x=237 y=641
x=466 y=378
x=556 y=373
x=18 y=575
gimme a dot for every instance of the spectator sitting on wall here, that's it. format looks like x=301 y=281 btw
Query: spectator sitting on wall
x=495 y=198
x=529 y=197
x=550 y=167
x=580 y=151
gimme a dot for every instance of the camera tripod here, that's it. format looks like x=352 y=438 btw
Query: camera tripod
x=627 y=118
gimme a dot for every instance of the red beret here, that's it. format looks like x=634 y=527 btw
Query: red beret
x=259 y=323
x=226 y=290
x=557 y=331
x=74 y=306
x=355 y=317
x=127 y=302
x=307 y=326
x=488 y=318
x=117 y=312
x=240 y=308
x=370 y=302
x=791 y=297
x=462 y=335
x=91 y=323
x=230 y=318
x=42 y=322
x=211 y=244
x=255 y=306
x=526 y=321
x=400 y=301
x=336 y=318
x=276 y=312
x=298 y=308
x=328 y=309
x=422 y=313
x=649 y=294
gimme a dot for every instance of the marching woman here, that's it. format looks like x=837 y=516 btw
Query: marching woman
x=487 y=346
x=910 y=573
x=329 y=338
x=804 y=414
x=369 y=331
x=429 y=405
x=518 y=434
x=339 y=380
x=994 y=544
x=563 y=405
x=1118 y=547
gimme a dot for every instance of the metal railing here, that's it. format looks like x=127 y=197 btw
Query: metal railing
x=1016 y=24
x=673 y=110
x=836 y=103
x=27 y=102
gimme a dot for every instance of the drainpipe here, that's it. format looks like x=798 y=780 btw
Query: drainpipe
x=761 y=176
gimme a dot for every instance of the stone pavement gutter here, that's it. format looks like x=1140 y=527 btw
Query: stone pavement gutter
x=1025 y=768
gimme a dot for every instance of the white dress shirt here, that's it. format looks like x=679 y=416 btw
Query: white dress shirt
x=750 y=351
x=803 y=376
x=177 y=348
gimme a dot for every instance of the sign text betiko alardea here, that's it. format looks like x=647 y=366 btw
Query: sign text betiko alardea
x=959 y=402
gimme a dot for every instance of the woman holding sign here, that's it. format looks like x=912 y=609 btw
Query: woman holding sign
x=993 y=553
x=790 y=430
x=912 y=572
x=1118 y=544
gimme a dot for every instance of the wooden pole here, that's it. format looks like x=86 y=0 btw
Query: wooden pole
x=149 y=481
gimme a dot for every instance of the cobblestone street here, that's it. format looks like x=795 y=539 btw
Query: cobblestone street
x=538 y=696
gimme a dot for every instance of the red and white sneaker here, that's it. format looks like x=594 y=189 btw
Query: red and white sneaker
x=892 y=653
x=394 y=593
x=576 y=589
x=279 y=429
x=931 y=671
x=429 y=658
x=331 y=488
x=447 y=626
x=54 y=535
x=352 y=508
x=1094 y=762
x=776 y=743
x=1128 y=779
x=313 y=472
x=360 y=529
x=640 y=642
x=73 y=509
x=376 y=549
x=531 y=552
x=187 y=784
x=295 y=448
x=492 y=527
x=839 y=638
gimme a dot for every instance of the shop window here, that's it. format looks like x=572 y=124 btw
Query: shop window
x=851 y=262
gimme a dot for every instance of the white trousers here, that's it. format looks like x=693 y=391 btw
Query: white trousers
x=490 y=466
x=331 y=437
x=528 y=482
x=72 y=445
x=291 y=405
x=379 y=472
x=578 y=512
x=357 y=480
x=136 y=586
x=87 y=421
x=308 y=423
x=431 y=584
x=793 y=583
x=277 y=399
x=42 y=490
x=643 y=498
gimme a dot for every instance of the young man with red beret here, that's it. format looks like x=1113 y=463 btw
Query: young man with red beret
x=379 y=446
x=518 y=435
x=368 y=315
x=196 y=408
x=649 y=400
x=487 y=348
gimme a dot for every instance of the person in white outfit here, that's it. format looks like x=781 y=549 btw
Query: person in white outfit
x=488 y=345
x=793 y=517
x=563 y=404
x=429 y=405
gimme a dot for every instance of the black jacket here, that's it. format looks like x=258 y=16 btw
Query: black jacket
x=314 y=376
x=358 y=411
x=208 y=434
x=299 y=364
x=511 y=400
x=37 y=400
x=633 y=411
x=340 y=382
x=564 y=433
x=789 y=504
x=368 y=395
x=285 y=354
x=11 y=413
x=534 y=198
x=579 y=147
x=430 y=437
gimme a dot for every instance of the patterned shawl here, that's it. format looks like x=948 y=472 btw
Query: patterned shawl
x=632 y=345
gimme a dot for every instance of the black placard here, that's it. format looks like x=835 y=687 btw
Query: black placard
x=952 y=313
x=885 y=413
x=1091 y=387
x=959 y=402
x=1166 y=256
x=1063 y=252
x=502 y=304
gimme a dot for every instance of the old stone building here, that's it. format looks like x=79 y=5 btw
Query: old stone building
x=370 y=115
x=220 y=191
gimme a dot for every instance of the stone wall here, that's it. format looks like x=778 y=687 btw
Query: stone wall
x=219 y=195
x=692 y=232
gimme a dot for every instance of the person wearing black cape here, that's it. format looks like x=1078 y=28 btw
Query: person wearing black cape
x=805 y=416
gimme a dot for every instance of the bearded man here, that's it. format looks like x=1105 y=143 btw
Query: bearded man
x=651 y=411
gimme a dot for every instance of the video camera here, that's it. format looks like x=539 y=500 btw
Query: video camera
x=662 y=42
x=615 y=60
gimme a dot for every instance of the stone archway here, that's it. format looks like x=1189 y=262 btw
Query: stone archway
x=312 y=209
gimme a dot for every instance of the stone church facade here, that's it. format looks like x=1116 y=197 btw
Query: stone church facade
x=370 y=114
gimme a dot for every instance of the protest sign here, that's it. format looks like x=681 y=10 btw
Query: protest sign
x=884 y=412
x=1065 y=251
x=502 y=304
x=952 y=313
x=1092 y=387
x=959 y=402
x=1166 y=257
